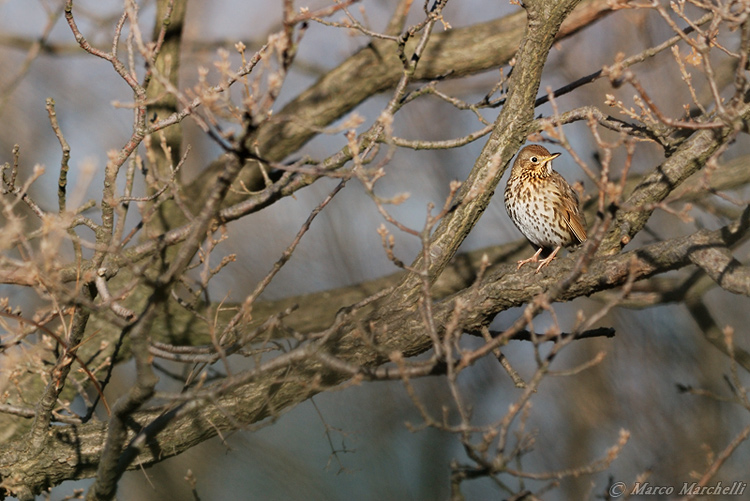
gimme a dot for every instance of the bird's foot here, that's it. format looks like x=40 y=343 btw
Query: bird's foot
x=547 y=260
x=532 y=259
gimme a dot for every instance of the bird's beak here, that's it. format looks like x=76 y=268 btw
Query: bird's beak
x=552 y=157
x=547 y=162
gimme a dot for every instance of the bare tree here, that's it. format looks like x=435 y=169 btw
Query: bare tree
x=650 y=100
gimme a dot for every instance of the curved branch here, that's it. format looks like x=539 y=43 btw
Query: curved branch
x=377 y=68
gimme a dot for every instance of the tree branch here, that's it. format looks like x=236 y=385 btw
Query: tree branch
x=377 y=68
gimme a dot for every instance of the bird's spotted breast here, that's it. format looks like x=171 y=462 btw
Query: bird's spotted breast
x=534 y=212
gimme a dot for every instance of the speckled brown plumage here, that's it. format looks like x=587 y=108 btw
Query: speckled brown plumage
x=543 y=205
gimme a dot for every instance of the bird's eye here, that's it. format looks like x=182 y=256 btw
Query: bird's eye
x=534 y=159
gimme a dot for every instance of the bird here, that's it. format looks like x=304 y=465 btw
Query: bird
x=543 y=205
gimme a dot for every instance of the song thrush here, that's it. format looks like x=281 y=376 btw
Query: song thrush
x=543 y=205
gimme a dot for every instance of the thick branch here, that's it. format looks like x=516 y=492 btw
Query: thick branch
x=509 y=132
x=376 y=68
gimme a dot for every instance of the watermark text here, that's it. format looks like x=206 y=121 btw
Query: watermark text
x=737 y=488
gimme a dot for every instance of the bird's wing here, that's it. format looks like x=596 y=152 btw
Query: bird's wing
x=571 y=208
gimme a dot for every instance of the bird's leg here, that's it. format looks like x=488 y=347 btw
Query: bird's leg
x=532 y=259
x=547 y=260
